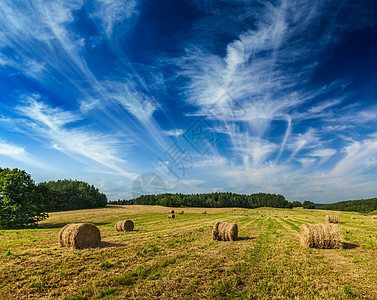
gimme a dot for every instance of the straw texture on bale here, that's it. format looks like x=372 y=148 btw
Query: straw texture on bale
x=127 y=225
x=79 y=236
x=171 y=216
x=332 y=219
x=225 y=231
x=171 y=212
x=374 y=217
x=322 y=236
x=181 y=212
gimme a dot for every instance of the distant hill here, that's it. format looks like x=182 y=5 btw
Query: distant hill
x=362 y=206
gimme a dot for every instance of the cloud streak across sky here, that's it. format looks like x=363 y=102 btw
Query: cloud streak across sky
x=109 y=86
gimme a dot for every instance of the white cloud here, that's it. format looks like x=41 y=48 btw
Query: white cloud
x=52 y=124
x=111 y=12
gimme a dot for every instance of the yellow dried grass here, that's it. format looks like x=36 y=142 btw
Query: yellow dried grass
x=80 y=236
x=126 y=225
x=322 y=236
x=223 y=231
x=332 y=219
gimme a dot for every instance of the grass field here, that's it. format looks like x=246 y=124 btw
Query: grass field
x=177 y=258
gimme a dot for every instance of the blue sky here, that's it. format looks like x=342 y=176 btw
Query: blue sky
x=241 y=96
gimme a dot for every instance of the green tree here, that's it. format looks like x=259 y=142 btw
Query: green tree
x=22 y=202
x=308 y=205
x=296 y=204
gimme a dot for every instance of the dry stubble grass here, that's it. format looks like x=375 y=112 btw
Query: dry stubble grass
x=177 y=258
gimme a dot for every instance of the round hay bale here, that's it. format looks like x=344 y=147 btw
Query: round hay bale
x=79 y=236
x=306 y=217
x=321 y=236
x=171 y=216
x=374 y=217
x=171 y=212
x=181 y=212
x=332 y=219
x=285 y=216
x=204 y=212
x=276 y=216
x=262 y=216
x=246 y=215
x=127 y=225
x=223 y=231
x=353 y=217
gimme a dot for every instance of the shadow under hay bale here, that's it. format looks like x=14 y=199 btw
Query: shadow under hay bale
x=225 y=231
x=353 y=217
x=332 y=219
x=171 y=212
x=80 y=236
x=126 y=225
x=171 y=216
x=204 y=212
x=321 y=236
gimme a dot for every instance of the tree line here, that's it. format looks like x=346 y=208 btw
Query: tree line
x=361 y=206
x=224 y=199
x=24 y=202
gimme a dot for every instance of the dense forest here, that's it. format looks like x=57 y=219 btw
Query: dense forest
x=210 y=200
x=23 y=202
x=362 y=206
x=72 y=194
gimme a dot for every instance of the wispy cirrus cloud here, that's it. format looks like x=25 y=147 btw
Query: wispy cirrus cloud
x=56 y=126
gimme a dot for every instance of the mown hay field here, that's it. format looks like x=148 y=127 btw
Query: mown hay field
x=178 y=259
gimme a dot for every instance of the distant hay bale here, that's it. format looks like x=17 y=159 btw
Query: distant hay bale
x=306 y=217
x=322 y=236
x=225 y=231
x=246 y=215
x=262 y=216
x=353 y=217
x=332 y=219
x=374 y=217
x=315 y=215
x=285 y=216
x=204 y=212
x=181 y=212
x=276 y=216
x=171 y=212
x=171 y=216
x=127 y=225
x=79 y=236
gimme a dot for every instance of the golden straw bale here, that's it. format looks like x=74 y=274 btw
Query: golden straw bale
x=223 y=231
x=285 y=216
x=127 y=225
x=322 y=236
x=306 y=217
x=332 y=219
x=181 y=212
x=204 y=212
x=79 y=236
x=171 y=216
x=353 y=217
x=171 y=212
x=374 y=217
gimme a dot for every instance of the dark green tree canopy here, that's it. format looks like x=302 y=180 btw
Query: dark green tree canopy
x=22 y=202
x=211 y=200
x=308 y=205
x=73 y=194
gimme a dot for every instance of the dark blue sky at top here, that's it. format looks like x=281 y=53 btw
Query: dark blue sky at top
x=101 y=90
